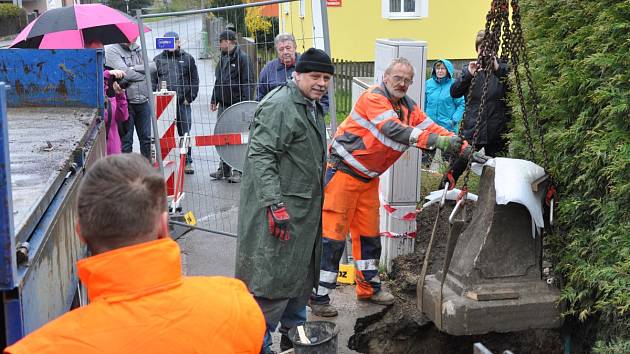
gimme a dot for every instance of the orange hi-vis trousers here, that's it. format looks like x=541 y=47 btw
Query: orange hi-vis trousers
x=350 y=205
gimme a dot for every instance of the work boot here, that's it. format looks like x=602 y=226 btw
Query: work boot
x=189 y=169
x=323 y=310
x=235 y=177
x=285 y=343
x=218 y=175
x=382 y=298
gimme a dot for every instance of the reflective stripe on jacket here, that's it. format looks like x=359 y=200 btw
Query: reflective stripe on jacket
x=376 y=133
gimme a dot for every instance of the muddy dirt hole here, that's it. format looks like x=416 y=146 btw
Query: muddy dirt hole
x=403 y=329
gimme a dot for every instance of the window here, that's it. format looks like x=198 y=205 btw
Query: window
x=404 y=9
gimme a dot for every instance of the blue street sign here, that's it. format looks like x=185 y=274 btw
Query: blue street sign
x=164 y=43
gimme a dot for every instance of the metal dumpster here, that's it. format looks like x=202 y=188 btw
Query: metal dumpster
x=51 y=104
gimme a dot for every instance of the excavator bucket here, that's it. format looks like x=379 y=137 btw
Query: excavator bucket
x=493 y=283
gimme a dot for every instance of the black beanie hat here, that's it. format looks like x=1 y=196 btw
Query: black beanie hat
x=314 y=60
x=227 y=36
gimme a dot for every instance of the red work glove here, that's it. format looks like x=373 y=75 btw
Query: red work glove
x=278 y=221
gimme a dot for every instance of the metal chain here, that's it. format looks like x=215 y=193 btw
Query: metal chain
x=489 y=47
x=499 y=33
x=506 y=39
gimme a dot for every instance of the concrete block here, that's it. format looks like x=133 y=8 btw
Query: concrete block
x=494 y=281
x=535 y=307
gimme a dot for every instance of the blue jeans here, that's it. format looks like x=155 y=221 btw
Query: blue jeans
x=140 y=118
x=184 y=121
x=289 y=312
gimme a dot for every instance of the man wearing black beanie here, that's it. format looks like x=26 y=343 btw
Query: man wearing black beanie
x=279 y=243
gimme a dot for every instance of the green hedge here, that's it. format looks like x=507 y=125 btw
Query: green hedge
x=579 y=55
x=9 y=10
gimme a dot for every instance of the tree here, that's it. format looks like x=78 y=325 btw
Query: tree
x=578 y=53
x=262 y=28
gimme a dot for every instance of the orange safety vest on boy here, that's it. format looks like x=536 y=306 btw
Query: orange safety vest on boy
x=141 y=303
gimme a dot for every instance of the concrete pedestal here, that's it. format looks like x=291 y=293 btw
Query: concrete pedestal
x=494 y=281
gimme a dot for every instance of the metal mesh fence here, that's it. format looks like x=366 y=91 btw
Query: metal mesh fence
x=210 y=76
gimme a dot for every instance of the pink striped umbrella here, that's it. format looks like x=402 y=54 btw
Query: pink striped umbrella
x=76 y=26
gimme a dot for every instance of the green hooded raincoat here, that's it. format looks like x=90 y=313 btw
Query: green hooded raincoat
x=285 y=162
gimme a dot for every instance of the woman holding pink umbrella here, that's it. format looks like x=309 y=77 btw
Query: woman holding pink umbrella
x=73 y=27
x=88 y=26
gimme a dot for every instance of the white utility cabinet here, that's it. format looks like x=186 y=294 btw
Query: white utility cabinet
x=413 y=50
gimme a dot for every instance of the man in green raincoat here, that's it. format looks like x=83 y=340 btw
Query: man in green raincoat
x=280 y=214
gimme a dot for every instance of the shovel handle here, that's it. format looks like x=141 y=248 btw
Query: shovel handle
x=443 y=200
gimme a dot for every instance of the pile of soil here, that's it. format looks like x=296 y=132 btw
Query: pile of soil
x=402 y=328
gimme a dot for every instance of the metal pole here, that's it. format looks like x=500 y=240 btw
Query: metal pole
x=147 y=80
x=332 y=108
x=173 y=222
x=8 y=271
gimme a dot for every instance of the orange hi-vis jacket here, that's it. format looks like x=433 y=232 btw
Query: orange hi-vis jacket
x=376 y=133
x=140 y=303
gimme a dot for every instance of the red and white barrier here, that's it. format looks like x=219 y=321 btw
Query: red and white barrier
x=173 y=149
x=166 y=113
x=208 y=140
x=398 y=231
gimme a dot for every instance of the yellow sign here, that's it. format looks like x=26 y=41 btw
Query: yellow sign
x=346 y=274
x=190 y=219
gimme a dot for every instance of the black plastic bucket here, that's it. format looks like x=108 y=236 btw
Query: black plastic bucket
x=323 y=337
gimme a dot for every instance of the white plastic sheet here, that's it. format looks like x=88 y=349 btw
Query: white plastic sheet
x=435 y=196
x=513 y=180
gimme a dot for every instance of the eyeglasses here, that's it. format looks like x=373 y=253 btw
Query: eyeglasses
x=398 y=79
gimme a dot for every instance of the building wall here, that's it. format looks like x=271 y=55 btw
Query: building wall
x=449 y=29
x=267 y=10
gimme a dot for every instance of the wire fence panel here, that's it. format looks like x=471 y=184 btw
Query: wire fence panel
x=207 y=77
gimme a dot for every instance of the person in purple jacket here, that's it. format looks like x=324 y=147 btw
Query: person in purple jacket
x=115 y=105
x=115 y=112
x=278 y=71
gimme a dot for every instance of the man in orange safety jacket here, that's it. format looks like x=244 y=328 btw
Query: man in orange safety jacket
x=139 y=300
x=384 y=123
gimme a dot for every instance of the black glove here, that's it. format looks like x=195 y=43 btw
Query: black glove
x=477 y=156
x=279 y=221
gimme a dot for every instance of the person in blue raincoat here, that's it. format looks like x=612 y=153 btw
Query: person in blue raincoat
x=439 y=105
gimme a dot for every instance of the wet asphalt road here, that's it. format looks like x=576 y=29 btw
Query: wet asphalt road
x=214 y=203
